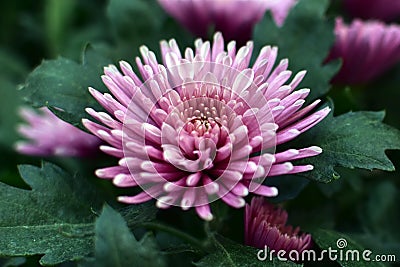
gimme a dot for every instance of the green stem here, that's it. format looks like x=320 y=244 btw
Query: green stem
x=178 y=233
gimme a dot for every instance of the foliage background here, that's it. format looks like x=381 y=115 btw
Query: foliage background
x=55 y=216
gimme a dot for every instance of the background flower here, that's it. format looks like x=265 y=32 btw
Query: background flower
x=47 y=135
x=265 y=225
x=367 y=49
x=386 y=10
x=195 y=130
x=235 y=19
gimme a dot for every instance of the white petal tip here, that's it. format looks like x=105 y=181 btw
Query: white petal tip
x=294 y=131
x=164 y=202
x=245 y=192
x=316 y=149
x=123 y=162
x=185 y=206
x=99 y=173
x=169 y=187
x=119 y=179
x=85 y=121
x=288 y=166
x=124 y=199
x=303 y=91
x=310 y=167
x=212 y=188
x=274 y=192
x=241 y=203
x=208 y=217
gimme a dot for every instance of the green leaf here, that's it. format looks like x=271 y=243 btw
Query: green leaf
x=230 y=254
x=63 y=83
x=135 y=215
x=116 y=246
x=327 y=239
x=352 y=140
x=54 y=218
x=305 y=39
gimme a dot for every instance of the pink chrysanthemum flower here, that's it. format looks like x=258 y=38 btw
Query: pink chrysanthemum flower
x=234 y=18
x=47 y=135
x=367 y=49
x=204 y=124
x=385 y=10
x=265 y=225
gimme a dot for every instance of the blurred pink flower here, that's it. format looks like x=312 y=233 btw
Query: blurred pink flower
x=47 y=135
x=234 y=18
x=385 y=10
x=204 y=125
x=367 y=49
x=280 y=9
x=265 y=225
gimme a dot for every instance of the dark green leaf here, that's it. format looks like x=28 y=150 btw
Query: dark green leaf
x=305 y=39
x=63 y=83
x=230 y=254
x=116 y=246
x=345 y=249
x=54 y=218
x=352 y=140
x=134 y=215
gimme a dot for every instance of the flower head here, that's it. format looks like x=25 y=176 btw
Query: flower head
x=50 y=136
x=385 y=10
x=234 y=18
x=367 y=49
x=265 y=225
x=203 y=126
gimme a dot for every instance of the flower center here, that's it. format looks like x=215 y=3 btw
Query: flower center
x=200 y=125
